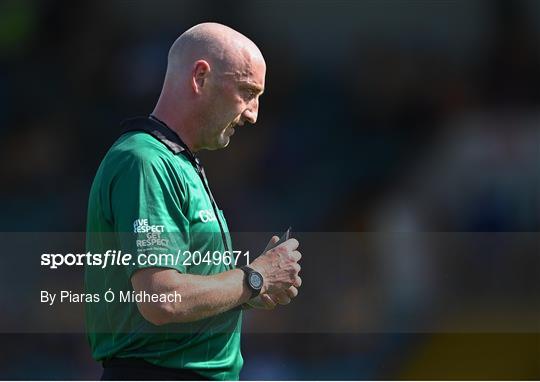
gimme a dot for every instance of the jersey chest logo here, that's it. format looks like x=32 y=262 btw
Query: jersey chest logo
x=207 y=216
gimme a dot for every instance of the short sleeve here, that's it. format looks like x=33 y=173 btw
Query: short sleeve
x=147 y=198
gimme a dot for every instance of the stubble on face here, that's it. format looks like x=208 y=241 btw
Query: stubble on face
x=232 y=79
x=215 y=131
x=223 y=113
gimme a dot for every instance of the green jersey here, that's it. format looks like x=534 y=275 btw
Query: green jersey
x=149 y=198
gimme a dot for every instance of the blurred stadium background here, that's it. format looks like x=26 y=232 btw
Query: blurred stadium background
x=379 y=116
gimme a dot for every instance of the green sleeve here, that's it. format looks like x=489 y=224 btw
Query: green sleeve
x=147 y=201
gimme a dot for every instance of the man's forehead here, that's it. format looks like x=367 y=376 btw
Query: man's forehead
x=247 y=64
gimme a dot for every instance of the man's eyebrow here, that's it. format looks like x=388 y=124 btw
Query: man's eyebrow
x=253 y=86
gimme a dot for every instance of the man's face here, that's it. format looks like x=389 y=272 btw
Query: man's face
x=233 y=101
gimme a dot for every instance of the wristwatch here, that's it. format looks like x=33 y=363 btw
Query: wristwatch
x=254 y=280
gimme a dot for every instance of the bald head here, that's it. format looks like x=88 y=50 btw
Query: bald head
x=225 y=49
x=214 y=78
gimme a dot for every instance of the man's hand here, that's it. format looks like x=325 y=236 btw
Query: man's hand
x=270 y=301
x=206 y=296
x=262 y=301
x=279 y=268
x=285 y=297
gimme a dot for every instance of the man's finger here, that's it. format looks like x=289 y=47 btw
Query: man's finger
x=292 y=292
x=296 y=256
x=271 y=243
x=269 y=303
x=290 y=244
x=282 y=298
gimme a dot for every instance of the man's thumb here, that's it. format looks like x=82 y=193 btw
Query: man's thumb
x=271 y=243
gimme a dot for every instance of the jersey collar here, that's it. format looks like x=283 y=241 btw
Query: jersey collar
x=163 y=133
x=159 y=130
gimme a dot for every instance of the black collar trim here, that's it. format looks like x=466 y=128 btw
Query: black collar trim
x=158 y=130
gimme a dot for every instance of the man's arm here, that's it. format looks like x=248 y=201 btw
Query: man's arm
x=202 y=296
x=206 y=296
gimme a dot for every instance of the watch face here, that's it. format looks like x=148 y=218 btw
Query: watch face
x=255 y=280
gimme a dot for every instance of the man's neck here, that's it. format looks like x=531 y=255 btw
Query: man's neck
x=175 y=125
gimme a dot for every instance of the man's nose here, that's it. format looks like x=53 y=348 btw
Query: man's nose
x=250 y=114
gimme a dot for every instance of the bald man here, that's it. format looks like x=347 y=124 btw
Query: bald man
x=179 y=316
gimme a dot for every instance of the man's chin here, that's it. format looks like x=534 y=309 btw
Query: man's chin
x=220 y=144
x=225 y=142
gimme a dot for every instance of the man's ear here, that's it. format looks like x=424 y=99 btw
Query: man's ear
x=201 y=70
